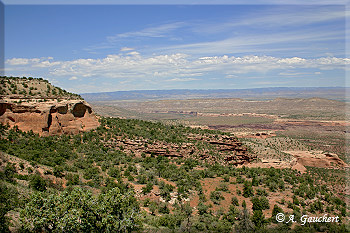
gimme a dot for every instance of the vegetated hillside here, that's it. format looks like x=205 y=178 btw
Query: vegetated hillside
x=131 y=175
x=114 y=178
x=34 y=88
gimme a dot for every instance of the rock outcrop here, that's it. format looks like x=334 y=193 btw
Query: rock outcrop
x=49 y=117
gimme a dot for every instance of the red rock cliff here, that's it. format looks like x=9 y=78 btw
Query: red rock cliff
x=49 y=118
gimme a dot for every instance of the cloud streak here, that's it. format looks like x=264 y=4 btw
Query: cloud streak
x=280 y=41
x=277 y=17
x=152 y=32
x=158 y=31
x=286 y=29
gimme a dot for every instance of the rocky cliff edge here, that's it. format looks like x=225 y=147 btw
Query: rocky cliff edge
x=50 y=117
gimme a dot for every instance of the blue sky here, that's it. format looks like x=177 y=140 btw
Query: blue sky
x=96 y=48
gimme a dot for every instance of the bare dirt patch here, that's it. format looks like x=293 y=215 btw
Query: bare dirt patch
x=318 y=159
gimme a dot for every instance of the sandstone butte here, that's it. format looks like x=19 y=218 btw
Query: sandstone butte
x=50 y=117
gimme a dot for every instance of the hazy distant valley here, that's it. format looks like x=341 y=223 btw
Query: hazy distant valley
x=190 y=163
x=314 y=121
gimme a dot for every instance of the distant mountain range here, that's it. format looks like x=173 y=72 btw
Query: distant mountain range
x=335 y=93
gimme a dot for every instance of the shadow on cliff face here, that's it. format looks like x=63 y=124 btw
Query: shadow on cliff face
x=62 y=109
x=3 y=107
x=80 y=109
x=49 y=122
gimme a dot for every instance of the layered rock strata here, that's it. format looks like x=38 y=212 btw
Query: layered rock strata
x=50 y=117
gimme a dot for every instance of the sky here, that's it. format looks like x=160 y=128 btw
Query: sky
x=88 y=48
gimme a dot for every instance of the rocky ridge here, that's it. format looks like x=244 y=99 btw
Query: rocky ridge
x=229 y=149
x=50 y=117
x=35 y=105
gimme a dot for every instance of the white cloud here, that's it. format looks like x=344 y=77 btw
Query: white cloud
x=35 y=62
x=295 y=73
x=182 y=79
x=18 y=61
x=46 y=63
x=176 y=67
x=231 y=76
x=134 y=53
x=73 y=78
x=126 y=49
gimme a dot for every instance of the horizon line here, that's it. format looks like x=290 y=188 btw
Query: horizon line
x=203 y=89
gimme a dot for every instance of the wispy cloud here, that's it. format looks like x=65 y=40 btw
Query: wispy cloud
x=182 y=79
x=126 y=49
x=285 y=29
x=255 y=44
x=279 y=17
x=231 y=76
x=297 y=73
x=162 y=30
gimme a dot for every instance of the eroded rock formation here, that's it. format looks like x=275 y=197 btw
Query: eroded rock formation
x=48 y=118
x=229 y=149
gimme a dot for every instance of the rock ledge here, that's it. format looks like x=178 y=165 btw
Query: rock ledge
x=51 y=117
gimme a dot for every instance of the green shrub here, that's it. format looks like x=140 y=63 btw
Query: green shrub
x=78 y=210
x=247 y=189
x=226 y=178
x=114 y=172
x=260 y=203
x=58 y=171
x=148 y=188
x=216 y=197
x=222 y=187
x=146 y=202
x=142 y=179
x=258 y=219
x=275 y=211
x=163 y=208
x=72 y=179
x=234 y=201
x=36 y=182
x=8 y=201
x=202 y=208
x=91 y=172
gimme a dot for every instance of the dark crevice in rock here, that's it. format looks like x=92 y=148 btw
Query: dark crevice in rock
x=49 y=122
x=62 y=109
x=53 y=110
x=11 y=119
x=60 y=124
x=3 y=108
x=79 y=110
